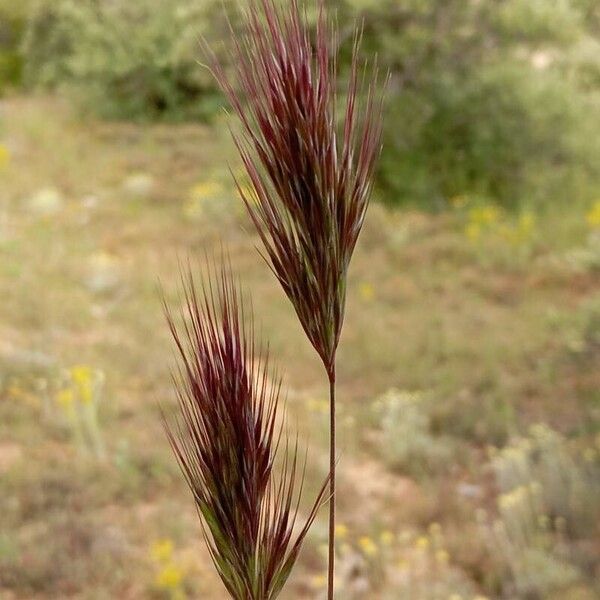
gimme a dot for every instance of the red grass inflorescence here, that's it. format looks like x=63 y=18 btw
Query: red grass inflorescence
x=226 y=440
x=311 y=180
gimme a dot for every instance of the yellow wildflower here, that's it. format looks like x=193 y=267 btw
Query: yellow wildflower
x=368 y=546
x=473 y=231
x=484 y=215
x=206 y=189
x=481 y=219
x=455 y=597
x=319 y=581
x=442 y=556
x=341 y=531
x=422 y=542
x=65 y=398
x=162 y=550
x=169 y=577
x=367 y=291
x=593 y=215
x=82 y=376
x=4 y=156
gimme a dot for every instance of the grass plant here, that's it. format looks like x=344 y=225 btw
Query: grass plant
x=311 y=181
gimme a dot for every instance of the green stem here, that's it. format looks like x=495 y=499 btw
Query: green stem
x=331 y=567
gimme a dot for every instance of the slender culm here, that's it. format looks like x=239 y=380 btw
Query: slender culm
x=225 y=437
x=311 y=177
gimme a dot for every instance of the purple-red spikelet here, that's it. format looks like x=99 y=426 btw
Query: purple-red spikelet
x=226 y=439
x=311 y=179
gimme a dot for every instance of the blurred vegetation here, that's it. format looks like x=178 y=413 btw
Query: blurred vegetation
x=488 y=98
x=127 y=60
x=495 y=99
x=13 y=19
x=549 y=503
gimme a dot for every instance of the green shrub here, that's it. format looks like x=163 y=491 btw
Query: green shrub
x=499 y=100
x=547 y=512
x=12 y=24
x=137 y=60
x=493 y=99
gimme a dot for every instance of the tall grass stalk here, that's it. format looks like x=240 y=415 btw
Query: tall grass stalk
x=311 y=177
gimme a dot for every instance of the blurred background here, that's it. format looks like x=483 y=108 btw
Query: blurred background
x=469 y=369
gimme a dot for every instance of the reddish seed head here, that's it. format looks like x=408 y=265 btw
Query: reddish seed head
x=226 y=439
x=311 y=183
